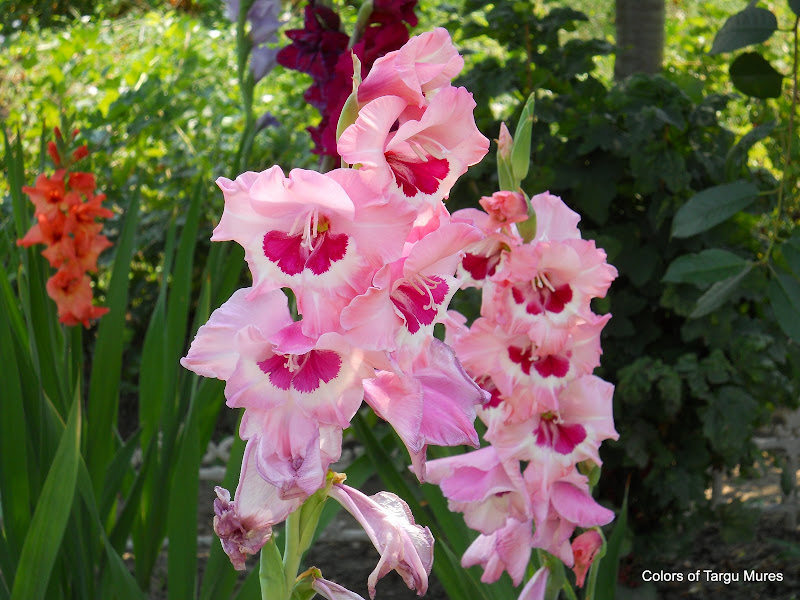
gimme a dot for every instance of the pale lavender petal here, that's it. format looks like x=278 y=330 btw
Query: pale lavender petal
x=333 y=591
x=536 y=586
x=245 y=524
x=404 y=546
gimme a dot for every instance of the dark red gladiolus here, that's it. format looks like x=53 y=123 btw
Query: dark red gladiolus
x=320 y=49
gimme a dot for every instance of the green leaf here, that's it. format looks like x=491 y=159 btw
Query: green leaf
x=15 y=492
x=728 y=419
x=182 y=515
x=180 y=288
x=107 y=358
x=122 y=528
x=718 y=293
x=50 y=517
x=15 y=163
x=752 y=74
x=711 y=207
x=791 y=251
x=119 y=466
x=152 y=371
x=11 y=308
x=121 y=580
x=751 y=26
x=784 y=296
x=704 y=268
x=273 y=582
x=609 y=567
x=250 y=589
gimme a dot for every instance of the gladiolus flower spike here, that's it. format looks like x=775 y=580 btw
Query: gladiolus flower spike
x=533 y=348
x=66 y=213
x=371 y=256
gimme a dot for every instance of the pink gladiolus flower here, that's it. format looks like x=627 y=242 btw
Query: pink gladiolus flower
x=507 y=549
x=568 y=435
x=484 y=258
x=562 y=502
x=404 y=546
x=307 y=233
x=433 y=404
x=426 y=62
x=479 y=485
x=245 y=524
x=293 y=452
x=584 y=549
x=298 y=393
x=548 y=281
x=409 y=296
x=425 y=155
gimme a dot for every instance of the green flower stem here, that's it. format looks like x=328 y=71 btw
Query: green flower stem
x=292 y=551
x=569 y=591
x=364 y=13
x=246 y=85
x=591 y=584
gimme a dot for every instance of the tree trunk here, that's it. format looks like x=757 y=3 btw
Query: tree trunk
x=640 y=37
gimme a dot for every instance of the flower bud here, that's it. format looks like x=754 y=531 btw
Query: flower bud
x=585 y=548
x=52 y=150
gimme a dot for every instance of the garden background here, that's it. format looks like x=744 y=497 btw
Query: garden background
x=687 y=177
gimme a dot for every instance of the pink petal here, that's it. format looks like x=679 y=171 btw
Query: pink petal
x=578 y=507
x=507 y=549
x=425 y=63
x=364 y=142
x=213 y=353
x=554 y=219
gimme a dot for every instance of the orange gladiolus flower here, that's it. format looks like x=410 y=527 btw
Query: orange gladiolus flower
x=66 y=214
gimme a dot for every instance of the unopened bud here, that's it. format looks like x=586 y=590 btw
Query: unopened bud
x=521 y=152
x=504 y=142
x=505 y=207
x=52 y=150
x=585 y=549
x=505 y=175
x=80 y=152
